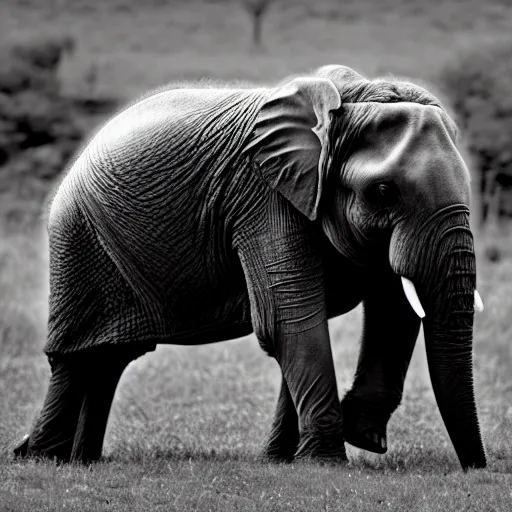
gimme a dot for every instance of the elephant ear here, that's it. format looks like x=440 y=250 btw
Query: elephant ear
x=290 y=139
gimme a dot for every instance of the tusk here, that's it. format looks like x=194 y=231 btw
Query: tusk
x=479 y=305
x=412 y=297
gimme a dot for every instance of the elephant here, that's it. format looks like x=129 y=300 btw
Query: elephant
x=206 y=212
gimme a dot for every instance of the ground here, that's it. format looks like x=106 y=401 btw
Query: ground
x=187 y=424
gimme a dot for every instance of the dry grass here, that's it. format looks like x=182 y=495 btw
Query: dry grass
x=187 y=423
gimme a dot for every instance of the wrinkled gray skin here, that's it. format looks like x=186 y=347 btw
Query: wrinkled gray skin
x=228 y=211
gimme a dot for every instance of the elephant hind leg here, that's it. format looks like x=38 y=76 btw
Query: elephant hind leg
x=284 y=437
x=98 y=395
x=72 y=424
x=53 y=433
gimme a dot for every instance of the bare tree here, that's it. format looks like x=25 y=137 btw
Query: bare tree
x=256 y=10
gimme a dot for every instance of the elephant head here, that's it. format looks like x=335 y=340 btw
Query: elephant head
x=375 y=164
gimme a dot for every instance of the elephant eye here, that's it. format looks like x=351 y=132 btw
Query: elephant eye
x=382 y=195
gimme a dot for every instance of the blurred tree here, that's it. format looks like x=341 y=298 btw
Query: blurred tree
x=478 y=82
x=31 y=61
x=256 y=10
x=493 y=253
x=43 y=51
x=91 y=79
x=39 y=129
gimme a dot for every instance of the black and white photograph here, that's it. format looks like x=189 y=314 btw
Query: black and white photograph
x=255 y=255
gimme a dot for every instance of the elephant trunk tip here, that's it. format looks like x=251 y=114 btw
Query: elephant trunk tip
x=479 y=462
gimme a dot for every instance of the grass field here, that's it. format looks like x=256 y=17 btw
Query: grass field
x=187 y=424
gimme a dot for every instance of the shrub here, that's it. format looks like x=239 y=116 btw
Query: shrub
x=39 y=128
x=478 y=82
x=42 y=51
x=31 y=61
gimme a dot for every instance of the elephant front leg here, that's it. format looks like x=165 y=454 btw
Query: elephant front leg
x=284 y=436
x=308 y=368
x=390 y=330
x=288 y=311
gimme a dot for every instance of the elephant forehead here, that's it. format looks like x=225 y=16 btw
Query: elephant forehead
x=401 y=135
x=413 y=143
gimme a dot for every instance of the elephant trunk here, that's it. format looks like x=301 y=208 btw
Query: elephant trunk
x=445 y=280
x=448 y=328
x=450 y=365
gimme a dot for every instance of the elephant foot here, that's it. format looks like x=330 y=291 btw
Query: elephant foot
x=324 y=446
x=25 y=449
x=369 y=439
x=277 y=455
x=21 y=449
x=281 y=446
x=365 y=426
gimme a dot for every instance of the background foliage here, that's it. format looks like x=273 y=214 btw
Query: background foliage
x=478 y=83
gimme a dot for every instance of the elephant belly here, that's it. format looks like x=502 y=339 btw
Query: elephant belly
x=203 y=335
x=208 y=315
